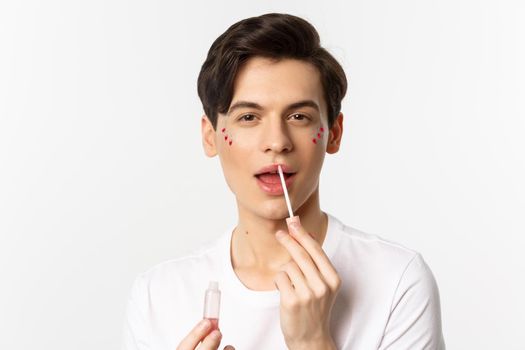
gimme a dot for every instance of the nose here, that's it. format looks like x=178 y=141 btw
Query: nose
x=276 y=137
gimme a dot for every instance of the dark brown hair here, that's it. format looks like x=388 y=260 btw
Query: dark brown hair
x=274 y=36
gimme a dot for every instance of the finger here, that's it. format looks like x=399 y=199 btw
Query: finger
x=284 y=285
x=193 y=338
x=212 y=341
x=298 y=280
x=303 y=261
x=315 y=251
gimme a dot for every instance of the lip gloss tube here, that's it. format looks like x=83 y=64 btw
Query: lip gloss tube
x=212 y=302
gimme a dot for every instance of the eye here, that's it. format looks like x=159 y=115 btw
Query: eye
x=243 y=118
x=301 y=116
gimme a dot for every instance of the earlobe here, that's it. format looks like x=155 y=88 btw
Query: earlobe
x=208 y=137
x=335 y=135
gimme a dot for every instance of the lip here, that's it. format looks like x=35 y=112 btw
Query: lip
x=274 y=168
x=276 y=189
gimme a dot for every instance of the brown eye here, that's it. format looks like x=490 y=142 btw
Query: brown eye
x=243 y=118
x=301 y=116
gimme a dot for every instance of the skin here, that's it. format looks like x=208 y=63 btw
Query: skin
x=201 y=334
x=295 y=264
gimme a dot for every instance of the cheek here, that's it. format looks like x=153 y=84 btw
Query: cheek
x=318 y=136
x=239 y=141
x=226 y=137
x=235 y=147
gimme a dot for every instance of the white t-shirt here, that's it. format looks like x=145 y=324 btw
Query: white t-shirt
x=388 y=298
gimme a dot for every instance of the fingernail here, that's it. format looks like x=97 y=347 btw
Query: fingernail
x=293 y=222
x=280 y=234
x=204 y=324
x=216 y=334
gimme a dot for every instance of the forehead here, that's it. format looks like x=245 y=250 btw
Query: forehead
x=271 y=82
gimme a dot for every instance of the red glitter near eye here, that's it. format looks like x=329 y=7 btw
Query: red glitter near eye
x=322 y=129
x=314 y=140
x=231 y=142
x=223 y=129
x=319 y=135
x=225 y=137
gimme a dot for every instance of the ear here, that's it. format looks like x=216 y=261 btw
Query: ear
x=334 y=137
x=208 y=137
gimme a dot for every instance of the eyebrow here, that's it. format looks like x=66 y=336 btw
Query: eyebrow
x=248 y=104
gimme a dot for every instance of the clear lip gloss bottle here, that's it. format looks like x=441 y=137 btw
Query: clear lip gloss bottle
x=212 y=302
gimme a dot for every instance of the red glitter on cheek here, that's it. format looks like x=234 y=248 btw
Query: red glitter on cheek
x=314 y=140
x=226 y=137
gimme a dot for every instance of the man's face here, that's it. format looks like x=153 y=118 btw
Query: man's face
x=271 y=132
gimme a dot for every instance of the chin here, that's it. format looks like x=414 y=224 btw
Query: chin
x=272 y=211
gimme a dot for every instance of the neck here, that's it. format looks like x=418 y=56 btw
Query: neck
x=254 y=246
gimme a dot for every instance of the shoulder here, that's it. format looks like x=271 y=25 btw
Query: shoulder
x=380 y=261
x=371 y=248
x=395 y=277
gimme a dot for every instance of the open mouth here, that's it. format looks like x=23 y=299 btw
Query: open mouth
x=269 y=179
x=270 y=183
x=273 y=178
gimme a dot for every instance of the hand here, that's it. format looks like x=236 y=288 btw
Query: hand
x=201 y=332
x=308 y=285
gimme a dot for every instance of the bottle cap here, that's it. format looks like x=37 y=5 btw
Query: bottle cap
x=214 y=285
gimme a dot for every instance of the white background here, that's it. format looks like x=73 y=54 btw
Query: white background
x=102 y=172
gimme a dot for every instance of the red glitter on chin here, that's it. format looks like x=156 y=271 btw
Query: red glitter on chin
x=319 y=135
x=322 y=129
x=225 y=137
x=314 y=140
x=231 y=142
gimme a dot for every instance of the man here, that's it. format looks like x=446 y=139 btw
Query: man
x=272 y=96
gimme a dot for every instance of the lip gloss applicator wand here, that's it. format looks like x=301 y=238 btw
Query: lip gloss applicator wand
x=285 y=190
